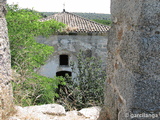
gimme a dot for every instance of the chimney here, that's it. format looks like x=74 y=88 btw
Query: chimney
x=64 y=8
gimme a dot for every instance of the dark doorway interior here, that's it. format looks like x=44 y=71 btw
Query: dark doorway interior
x=63 y=73
x=63 y=60
x=63 y=90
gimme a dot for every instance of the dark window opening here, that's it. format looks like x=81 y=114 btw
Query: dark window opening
x=63 y=60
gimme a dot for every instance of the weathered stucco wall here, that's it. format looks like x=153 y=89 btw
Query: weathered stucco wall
x=133 y=62
x=70 y=45
x=6 y=105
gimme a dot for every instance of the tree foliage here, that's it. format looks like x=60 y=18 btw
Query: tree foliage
x=23 y=26
x=27 y=54
x=104 y=22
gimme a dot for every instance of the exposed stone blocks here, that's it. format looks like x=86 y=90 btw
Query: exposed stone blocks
x=6 y=105
x=95 y=45
x=133 y=61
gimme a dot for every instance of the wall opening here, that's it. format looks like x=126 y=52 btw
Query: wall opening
x=63 y=73
x=63 y=88
x=64 y=60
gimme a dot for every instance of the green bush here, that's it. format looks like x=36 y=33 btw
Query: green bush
x=23 y=27
x=86 y=89
x=36 y=90
x=28 y=55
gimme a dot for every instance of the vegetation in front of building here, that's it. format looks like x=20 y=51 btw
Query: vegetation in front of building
x=27 y=55
x=86 y=89
x=29 y=88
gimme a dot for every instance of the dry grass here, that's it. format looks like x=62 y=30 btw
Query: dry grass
x=70 y=29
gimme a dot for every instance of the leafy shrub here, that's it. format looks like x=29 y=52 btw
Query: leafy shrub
x=28 y=55
x=86 y=89
x=36 y=90
x=23 y=26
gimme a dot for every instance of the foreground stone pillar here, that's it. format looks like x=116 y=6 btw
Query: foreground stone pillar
x=6 y=105
x=132 y=89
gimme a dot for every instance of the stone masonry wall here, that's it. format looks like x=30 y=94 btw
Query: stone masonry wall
x=71 y=45
x=133 y=62
x=6 y=105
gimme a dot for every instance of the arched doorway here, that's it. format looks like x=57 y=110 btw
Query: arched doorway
x=63 y=73
x=63 y=90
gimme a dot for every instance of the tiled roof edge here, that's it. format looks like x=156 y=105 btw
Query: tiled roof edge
x=72 y=14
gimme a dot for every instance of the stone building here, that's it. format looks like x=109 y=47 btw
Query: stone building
x=80 y=34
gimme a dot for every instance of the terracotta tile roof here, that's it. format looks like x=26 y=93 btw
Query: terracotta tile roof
x=78 y=24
